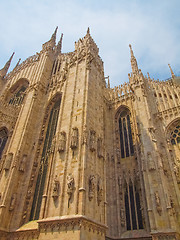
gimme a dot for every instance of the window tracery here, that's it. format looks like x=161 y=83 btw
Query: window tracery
x=126 y=140
x=18 y=96
x=3 y=140
x=175 y=135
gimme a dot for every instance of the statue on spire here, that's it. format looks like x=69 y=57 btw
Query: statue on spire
x=4 y=70
x=134 y=64
x=51 y=43
x=172 y=73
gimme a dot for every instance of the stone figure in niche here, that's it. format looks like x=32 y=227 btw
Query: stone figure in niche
x=99 y=191
x=122 y=214
x=152 y=132
x=99 y=148
x=91 y=187
x=92 y=140
x=13 y=201
x=22 y=163
x=56 y=186
x=85 y=135
x=151 y=163
x=62 y=142
x=70 y=186
x=8 y=161
x=158 y=203
x=74 y=138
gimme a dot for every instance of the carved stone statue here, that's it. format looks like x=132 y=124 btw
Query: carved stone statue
x=53 y=144
x=62 y=142
x=92 y=144
x=13 y=201
x=152 y=132
x=70 y=186
x=158 y=203
x=56 y=186
x=99 y=191
x=8 y=161
x=91 y=187
x=74 y=138
x=22 y=163
x=150 y=161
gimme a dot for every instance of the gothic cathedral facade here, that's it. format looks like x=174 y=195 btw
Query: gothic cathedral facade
x=81 y=160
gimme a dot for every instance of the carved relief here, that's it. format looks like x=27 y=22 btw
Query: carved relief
x=92 y=143
x=22 y=163
x=62 y=142
x=99 y=190
x=70 y=186
x=158 y=203
x=74 y=138
x=12 y=202
x=91 y=187
x=99 y=148
x=8 y=161
x=150 y=161
x=53 y=145
x=176 y=172
x=56 y=188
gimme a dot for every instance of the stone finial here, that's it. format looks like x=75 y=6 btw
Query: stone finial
x=172 y=73
x=134 y=65
x=4 y=70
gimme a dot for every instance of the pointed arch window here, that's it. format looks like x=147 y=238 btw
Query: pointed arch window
x=18 y=96
x=126 y=140
x=175 y=135
x=50 y=133
x=3 y=140
x=132 y=207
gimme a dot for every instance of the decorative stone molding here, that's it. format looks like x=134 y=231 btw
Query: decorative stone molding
x=85 y=135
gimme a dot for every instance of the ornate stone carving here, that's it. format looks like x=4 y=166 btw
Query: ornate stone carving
x=53 y=145
x=8 y=161
x=22 y=163
x=99 y=190
x=12 y=202
x=91 y=187
x=74 y=138
x=92 y=141
x=176 y=172
x=56 y=188
x=70 y=186
x=158 y=203
x=99 y=148
x=62 y=142
x=150 y=161
x=152 y=131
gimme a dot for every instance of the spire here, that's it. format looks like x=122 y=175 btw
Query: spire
x=88 y=31
x=59 y=45
x=172 y=73
x=134 y=65
x=18 y=63
x=53 y=37
x=4 y=70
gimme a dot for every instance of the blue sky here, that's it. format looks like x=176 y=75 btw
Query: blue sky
x=152 y=27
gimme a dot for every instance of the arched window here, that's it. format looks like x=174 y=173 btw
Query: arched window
x=51 y=130
x=132 y=207
x=18 y=96
x=175 y=135
x=126 y=141
x=3 y=140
